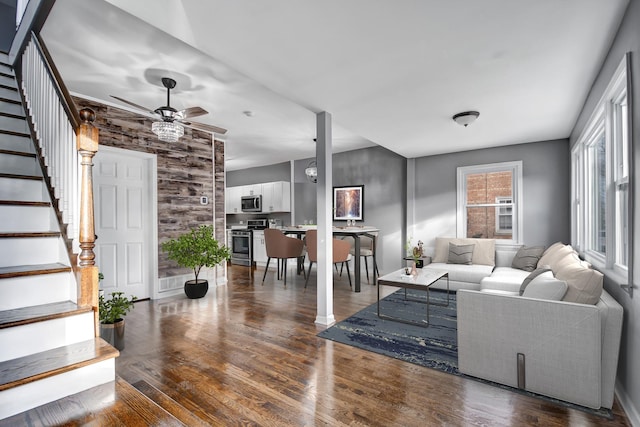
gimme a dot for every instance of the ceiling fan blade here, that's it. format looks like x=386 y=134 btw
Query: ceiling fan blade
x=140 y=107
x=193 y=112
x=206 y=128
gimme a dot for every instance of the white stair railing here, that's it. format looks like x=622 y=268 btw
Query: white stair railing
x=54 y=125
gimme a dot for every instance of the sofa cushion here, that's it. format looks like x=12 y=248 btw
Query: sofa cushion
x=527 y=257
x=585 y=284
x=545 y=286
x=504 y=279
x=473 y=273
x=484 y=252
x=535 y=273
x=460 y=254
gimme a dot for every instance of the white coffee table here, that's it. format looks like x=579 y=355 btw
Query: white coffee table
x=422 y=282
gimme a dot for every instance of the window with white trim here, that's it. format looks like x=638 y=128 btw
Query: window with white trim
x=504 y=215
x=600 y=180
x=490 y=201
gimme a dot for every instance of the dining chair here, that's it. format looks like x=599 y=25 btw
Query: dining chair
x=282 y=248
x=367 y=249
x=341 y=253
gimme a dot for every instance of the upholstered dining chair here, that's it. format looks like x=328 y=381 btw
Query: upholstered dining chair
x=282 y=248
x=367 y=249
x=341 y=253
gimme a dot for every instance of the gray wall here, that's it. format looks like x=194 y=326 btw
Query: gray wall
x=546 y=187
x=627 y=40
x=382 y=173
x=271 y=173
x=7 y=24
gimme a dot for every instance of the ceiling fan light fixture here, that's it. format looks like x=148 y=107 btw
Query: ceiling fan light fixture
x=312 y=172
x=466 y=118
x=167 y=131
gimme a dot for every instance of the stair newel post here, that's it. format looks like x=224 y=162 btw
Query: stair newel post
x=87 y=145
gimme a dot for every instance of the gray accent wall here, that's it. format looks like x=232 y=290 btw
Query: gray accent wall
x=626 y=40
x=271 y=173
x=382 y=173
x=546 y=175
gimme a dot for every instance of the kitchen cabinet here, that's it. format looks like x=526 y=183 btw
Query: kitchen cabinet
x=251 y=190
x=259 y=248
x=232 y=196
x=276 y=197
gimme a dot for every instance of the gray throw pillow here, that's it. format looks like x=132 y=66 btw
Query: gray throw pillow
x=535 y=273
x=460 y=254
x=545 y=286
x=527 y=258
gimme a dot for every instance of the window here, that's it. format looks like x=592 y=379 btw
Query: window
x=504 y=215
x=600 y=180
x=490 y=201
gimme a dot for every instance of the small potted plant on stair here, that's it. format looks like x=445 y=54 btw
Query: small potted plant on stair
x=111 y=314
x=196 y=249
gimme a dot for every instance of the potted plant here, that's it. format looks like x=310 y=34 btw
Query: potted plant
x=111 y=313
x=196 y=249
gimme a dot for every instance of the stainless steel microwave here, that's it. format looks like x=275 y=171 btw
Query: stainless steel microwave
x=251 y=203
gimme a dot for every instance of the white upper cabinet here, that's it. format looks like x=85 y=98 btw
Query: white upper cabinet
x=276 y=197
x=232 y=196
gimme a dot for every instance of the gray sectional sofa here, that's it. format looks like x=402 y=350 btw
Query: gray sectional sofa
x=564 y=346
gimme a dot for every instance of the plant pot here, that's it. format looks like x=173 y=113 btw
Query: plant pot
x=195 y=289
x=113 y=333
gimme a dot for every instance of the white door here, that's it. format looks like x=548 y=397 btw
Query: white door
x=124 y=220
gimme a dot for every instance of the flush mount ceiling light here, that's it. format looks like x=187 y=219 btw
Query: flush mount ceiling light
x=466 y=118
x=312 y=172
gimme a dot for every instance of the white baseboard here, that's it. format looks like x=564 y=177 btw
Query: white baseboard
x=628 y=405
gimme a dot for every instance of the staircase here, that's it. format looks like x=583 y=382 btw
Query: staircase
x=48 y=347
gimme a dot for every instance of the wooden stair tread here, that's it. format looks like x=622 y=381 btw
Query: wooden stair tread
x=33 y=367
x=113 y=403
x=32 y=270
x=29 y=234
x=39 y=313
x=8 y=87
x=13 y=116
x=168 y=404
x=10 y=132
x=16 y=176
x=10 y=101
x=24 y=203
x=17 y=153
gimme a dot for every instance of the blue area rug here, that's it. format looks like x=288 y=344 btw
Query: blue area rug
x=433 y=347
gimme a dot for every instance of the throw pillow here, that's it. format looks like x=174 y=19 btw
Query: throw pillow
x=460 y=254
x=545 y=286
x=585 y=284
x=535 y=273
x=527 y=258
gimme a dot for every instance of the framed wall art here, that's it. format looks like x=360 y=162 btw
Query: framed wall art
x=348 y=203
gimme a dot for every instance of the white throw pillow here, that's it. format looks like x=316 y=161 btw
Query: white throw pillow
x=545 y=286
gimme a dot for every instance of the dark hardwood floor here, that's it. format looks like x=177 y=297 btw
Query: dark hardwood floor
x=248 y=354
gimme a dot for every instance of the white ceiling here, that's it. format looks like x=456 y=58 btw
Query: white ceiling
x=390 y=72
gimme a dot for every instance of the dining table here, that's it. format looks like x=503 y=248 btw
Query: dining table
x=356 y=232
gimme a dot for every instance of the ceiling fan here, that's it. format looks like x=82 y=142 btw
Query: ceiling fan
x=170 y=128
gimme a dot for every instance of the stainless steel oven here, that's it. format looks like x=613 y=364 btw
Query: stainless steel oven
x=241 y=247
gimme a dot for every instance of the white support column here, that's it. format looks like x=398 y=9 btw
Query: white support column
x=324 y=199
x=411 y=200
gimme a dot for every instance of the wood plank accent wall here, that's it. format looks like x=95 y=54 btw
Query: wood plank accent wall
x=185 y=173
